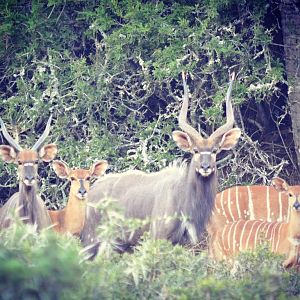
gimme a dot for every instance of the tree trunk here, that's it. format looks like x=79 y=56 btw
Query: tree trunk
x=290 y=21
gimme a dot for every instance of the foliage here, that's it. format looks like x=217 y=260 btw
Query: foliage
x=109 y=71
x=37 y=266
x=48 y=266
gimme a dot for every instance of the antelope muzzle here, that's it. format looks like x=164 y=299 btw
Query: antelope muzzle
x=206 y=165
x=296 y=205
x=29 y=174
x=82 y=192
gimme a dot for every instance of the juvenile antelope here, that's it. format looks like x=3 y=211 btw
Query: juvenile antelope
x=284 y=237
x=174 y=192
x=71 y=218
x=26 y=203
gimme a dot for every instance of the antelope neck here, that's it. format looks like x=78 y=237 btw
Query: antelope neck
x=28 y=203
x=200 y=196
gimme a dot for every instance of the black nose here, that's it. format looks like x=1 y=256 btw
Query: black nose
x=205 y=165
x=296 y=205
x=29 y=178
x=82 y=191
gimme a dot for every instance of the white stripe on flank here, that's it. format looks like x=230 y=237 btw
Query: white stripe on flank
x=229 y=205
x=273 y=234
x=251 y=208
x=280 y=218
x=267 y=231
x=257 y=233
x=223 y=239
x=222 y=204
x=264 y=228
x=234 y=233
x=242 y=234
x=229 y=232
x=268 y=205
x=237 y=201
x=288 y=214
x=278 y=237
x=250 y=233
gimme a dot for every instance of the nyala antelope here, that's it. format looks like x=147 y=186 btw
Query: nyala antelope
x=283 y=237
x=254 y=202
x=71 y=218
x=26 y=203
x=184 y=194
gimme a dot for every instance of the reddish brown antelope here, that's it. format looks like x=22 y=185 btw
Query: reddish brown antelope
x=284 y=237
x=71 y=218
x=183 y=194
x=26 y=203
x=255 y=202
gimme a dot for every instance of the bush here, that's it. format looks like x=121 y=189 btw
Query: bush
x=49 y=266
x=109 y=71
x=35 y=266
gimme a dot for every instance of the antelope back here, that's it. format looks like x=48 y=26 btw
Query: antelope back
x=283 y=237
x=252 y=203
x=248 y=234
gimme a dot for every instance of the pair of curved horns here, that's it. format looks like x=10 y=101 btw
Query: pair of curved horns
x=192 y=132
x=16 y=146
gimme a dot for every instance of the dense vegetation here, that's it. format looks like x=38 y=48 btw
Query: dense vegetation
x=109 y=72
x=47 y=266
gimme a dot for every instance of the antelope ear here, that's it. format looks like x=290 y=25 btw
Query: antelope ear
x=280 y=184
x=61 y=169
x=182 y=140
x=230 y=139
x=98 y=168
x=8 y=153
x=48 y=152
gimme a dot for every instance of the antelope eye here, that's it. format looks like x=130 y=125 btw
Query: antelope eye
x=214 y=150
x=19 y=162
x=196 y=151
x=88 y=178
x=36 y=162
x=72 y=178
x=291 y=195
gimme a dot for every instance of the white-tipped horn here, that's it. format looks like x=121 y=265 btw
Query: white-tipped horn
x=43 y=137
x=229 y=113
x=182 y=119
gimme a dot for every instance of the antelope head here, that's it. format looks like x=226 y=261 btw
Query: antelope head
x=80 y=178
x=204 y=150
x=293 y=192
x=27 y=159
